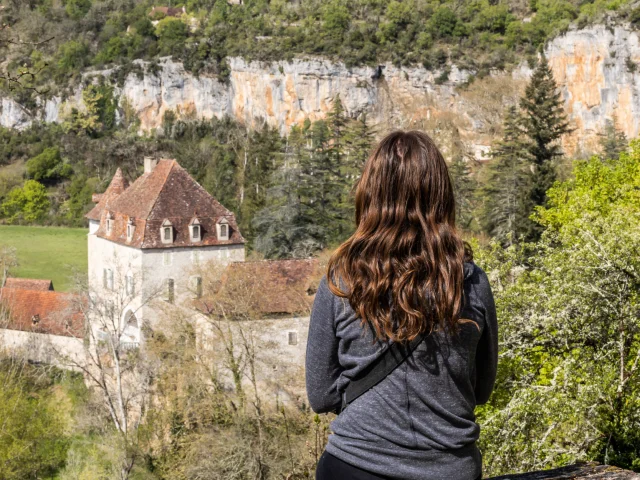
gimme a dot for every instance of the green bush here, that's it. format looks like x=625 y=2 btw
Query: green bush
x=172 y=33
x=48 y=166
x=29 y=203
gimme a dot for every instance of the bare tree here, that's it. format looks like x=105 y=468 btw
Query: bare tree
x=8 y=260
x=113 y=363
x=25 y=75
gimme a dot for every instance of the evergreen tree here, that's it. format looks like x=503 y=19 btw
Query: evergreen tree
x=612 y=141
x=281 y=229
x=359 y=140
x=260 y=155
x=464 y=187
x=507 y=206
x=321 y=184
x=544 y=122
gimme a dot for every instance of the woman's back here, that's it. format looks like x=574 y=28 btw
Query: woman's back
x=405 y=276
x=418 y=423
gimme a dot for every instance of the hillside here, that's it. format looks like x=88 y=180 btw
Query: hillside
x=475 y=35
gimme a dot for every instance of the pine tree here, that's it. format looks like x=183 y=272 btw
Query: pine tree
x=261 y=151
x=464 y=187
x=612 y=141
x=282 y=230
x=359 y=141
x=544 y=122
x=507 y=206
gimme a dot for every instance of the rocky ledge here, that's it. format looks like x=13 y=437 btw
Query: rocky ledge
x=591 y=471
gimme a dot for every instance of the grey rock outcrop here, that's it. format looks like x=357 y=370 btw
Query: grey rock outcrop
x=596 y=70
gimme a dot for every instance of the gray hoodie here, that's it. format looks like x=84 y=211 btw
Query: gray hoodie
x=418 y=423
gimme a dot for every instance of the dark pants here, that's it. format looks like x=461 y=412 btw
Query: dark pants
x=332 y=468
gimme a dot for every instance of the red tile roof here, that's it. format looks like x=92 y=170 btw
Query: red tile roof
x=104 y=200
x=167 y=192
x=41 y=311
x=168 y=11
x=272 y=287
x=28 y=284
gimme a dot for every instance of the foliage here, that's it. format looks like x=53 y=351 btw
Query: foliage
x=48 y=166
x=507 y=206
x=33 y=441
x=309 y=203
x=464 y=186
x=613 y=141
x=544 y=121
x=570 y=332
x=479 y=35
x=28 y=203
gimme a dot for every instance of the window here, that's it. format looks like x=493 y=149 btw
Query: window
x=166 y=232
x=170 y=290
x=196 y=285
x=195 y=257
x=130 y=285
x=109 y=224
x=107 y=278
x=167 y=259
x=131 y=228
x=293 y=338
x=195 y=230
x=223 y=229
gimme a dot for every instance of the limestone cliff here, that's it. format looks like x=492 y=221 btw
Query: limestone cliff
x=594 y=67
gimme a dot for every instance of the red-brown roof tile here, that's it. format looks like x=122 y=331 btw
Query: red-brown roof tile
x=167 y=192
x=104 y=200
x=168 y=11
x=41 y=311
x=273 y=287
x=28 y=284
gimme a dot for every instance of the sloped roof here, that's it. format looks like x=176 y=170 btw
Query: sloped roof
x=28 y=284
x=41 y=311
x=168 y=11
x=117 y=186
x=167 y=192
x=272 y=287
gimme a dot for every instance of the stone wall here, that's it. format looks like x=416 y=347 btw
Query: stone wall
x=279 y=345
x=40 y=347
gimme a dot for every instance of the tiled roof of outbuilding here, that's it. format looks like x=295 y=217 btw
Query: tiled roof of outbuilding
x=273 y=287
x=28 y=284
x=41 y=312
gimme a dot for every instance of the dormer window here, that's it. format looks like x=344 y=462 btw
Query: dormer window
x=131 y=228
x=166 y=232
x=223 y=229
x=195 y=230
x=109 y=223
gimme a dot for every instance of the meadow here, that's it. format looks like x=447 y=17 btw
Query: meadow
x=53 y=253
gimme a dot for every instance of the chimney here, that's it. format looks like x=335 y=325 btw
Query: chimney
x=149 y=164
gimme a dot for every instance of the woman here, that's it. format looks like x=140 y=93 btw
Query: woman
x=404 y=274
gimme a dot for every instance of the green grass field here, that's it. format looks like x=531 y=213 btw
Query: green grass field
x=47 y=252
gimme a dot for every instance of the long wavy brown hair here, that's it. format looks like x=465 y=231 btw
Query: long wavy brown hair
x=403 y=268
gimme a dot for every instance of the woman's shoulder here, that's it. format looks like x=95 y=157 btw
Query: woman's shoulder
x=474 y=274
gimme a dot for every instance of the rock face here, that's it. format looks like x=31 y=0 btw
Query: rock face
x=589 y=471
x=598 y=70
x=595 y=69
